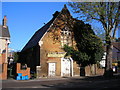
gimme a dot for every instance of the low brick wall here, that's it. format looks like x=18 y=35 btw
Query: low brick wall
x=3 y=73
x=3 y=67
x=98 y=71
x=24 y=72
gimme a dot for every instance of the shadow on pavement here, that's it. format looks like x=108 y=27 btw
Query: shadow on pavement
x=90 y=82
x=87 y=82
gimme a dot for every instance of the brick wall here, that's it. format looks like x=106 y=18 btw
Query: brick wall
x=24 y=72
x=89 y=72
x=76 y=69
x=3 y=67
x=58 y=64
x=51 y=45
x=48 y=46
x=2 y=58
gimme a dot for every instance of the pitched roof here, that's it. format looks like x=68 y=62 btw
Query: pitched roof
x=116 y=45
x=38 y=35
x=4 y=32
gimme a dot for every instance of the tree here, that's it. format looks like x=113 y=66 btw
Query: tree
x=108 y=14
x=16 y=56
x=87 y=41
x=89 y=47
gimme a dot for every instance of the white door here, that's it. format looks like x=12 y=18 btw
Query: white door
x=65 y=67
x=52 y=69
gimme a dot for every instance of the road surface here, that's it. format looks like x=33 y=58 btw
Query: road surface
x=96 y=82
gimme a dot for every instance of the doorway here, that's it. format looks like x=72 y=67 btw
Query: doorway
x=66 y=67
x=51 y=69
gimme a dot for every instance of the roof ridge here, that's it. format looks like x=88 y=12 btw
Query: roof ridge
x=38 y=35
x=116 y=47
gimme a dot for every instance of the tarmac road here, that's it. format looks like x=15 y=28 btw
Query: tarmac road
x=96 y=82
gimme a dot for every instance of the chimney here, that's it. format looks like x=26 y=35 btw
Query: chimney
x=56 y=14
x=5 y=22
x=65 y=6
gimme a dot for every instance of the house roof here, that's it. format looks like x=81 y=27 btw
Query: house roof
x=39 y=34
x=116 y=45
x=4 y=32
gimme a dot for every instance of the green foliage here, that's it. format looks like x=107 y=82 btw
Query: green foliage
x=108 y=14
x=16 y=56
x=81 y=57
x=88 y=42
x=89 y=46
x=69 y=50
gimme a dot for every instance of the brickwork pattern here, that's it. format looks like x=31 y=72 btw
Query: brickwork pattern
x=3 y=67
x=24 y=72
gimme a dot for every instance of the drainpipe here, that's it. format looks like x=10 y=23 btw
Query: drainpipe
x=6 y=57
x=6 y=53
x=71 y=60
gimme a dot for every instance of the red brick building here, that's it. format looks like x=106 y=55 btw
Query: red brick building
x=116 y=51
x=44 y=52
x=4 y=42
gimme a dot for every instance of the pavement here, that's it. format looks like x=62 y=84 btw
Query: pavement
x=44 y=79
x=97 y=82
x=36 y=79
